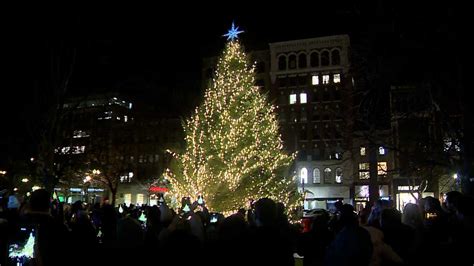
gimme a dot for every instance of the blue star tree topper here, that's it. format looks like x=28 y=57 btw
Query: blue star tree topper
x=233 y=33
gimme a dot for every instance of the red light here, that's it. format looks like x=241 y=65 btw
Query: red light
x=158 y=189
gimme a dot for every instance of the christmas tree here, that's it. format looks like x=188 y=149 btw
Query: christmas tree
x=233 y=151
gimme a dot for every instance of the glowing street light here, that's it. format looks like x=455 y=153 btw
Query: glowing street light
x=96 y=172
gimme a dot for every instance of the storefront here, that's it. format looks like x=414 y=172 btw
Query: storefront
x=361 y=195
x=325 y=197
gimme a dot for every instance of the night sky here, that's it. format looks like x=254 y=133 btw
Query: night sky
x=155 y=52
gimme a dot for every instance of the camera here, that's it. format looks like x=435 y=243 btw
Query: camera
x=200 y=201
x=214 y=218
x=22 y=250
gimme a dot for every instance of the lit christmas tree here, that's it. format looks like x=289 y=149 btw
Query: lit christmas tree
x=233 y=152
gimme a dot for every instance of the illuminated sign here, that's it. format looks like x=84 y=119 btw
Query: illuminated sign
x=158 y=189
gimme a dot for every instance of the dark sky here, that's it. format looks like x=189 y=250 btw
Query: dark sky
x=155 y=52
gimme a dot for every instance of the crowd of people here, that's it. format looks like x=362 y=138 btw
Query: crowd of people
x=427 y=233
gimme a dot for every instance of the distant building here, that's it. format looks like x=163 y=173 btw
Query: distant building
x=132 y=131
x=311 y=84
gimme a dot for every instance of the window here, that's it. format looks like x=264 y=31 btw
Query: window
x=364 y=171
x=293 y=118
x=303 y=98
x=337 y=94
x=381 y=150
x=381 y=168
x=325 y=79
x=314 y=59
x=315 y=80
x=327 y=174
x=303 y=133
x=304 y=176
x=127 y=199
x=335 y=57
x=325 y=58
x=80 y=134
x=125 y=119
x=302 y=80
x=362 y=151
x=140 y=199
x=292 y=61
x=71 y=150
x=304 y=116
x=338 y=175
x=336 y=78
x=292 y=98
x=316 y=176
x=302 y=61
x=282 y=62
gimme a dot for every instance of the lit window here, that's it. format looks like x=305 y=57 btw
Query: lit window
x=140 y=199
x=327 y=174
x=315 y=80
x=337 y=78
x=125 y=118
x=80 y=134
x=382 y=168
x=364 y=171
x=381 y=150
x=71 y=150
x=303 y=98
x=130 y=106
x=338 y=175
x=304 y=176
x=127 y=199
x=362 y=151
x=325 y=79
x=316 y=176
x=292 y=98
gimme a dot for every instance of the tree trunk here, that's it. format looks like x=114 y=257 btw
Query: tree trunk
x=114 y=195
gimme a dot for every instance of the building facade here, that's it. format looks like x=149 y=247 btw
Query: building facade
x=311 y=85
x=127 y=135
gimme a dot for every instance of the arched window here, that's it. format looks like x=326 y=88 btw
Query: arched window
x=327 y=174
x=304 y=175
x=325 y=58
x=292 y=61
x=302 y=63
x=339 y=175
x=282 y=62
x=335 y=57
x=314 y=59
x=316 y=176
